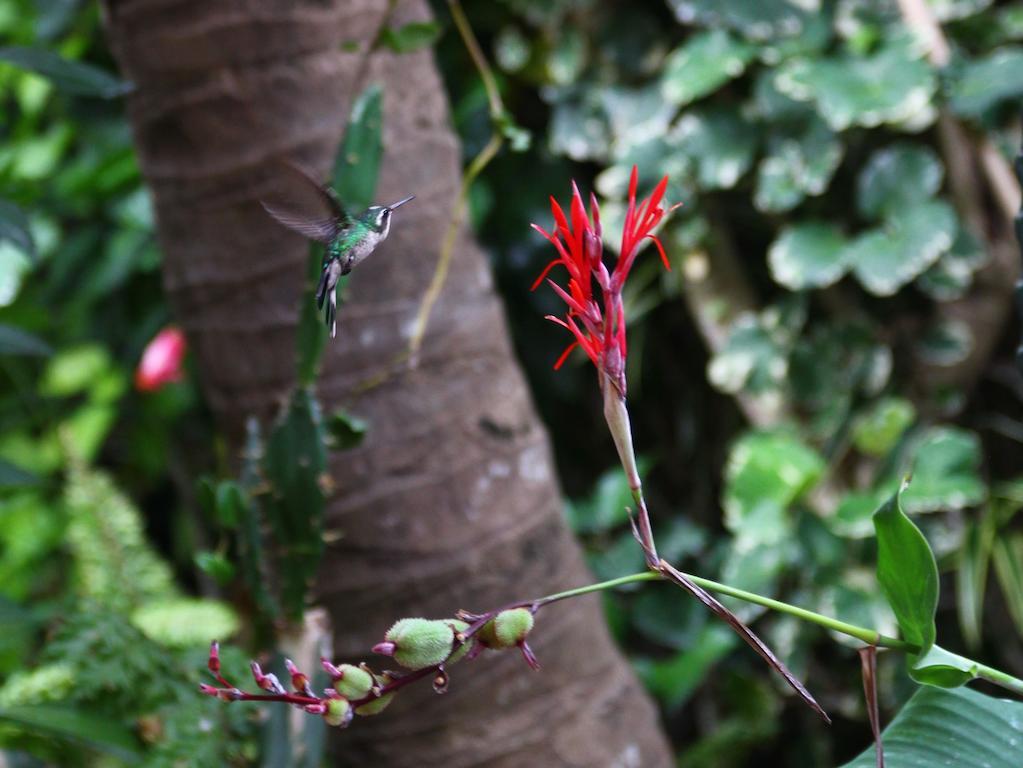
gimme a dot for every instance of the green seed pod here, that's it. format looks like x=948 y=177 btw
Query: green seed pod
x=507 y=629
x=339 y=712
x=460 y=626
x=376 y=706
x=355 y=682
x=420 y=643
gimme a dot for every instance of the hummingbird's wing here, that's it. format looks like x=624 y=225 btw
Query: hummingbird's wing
x=332 y=216
x=321 y=230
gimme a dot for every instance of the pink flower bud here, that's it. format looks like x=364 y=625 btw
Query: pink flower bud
x=298 y=680
x=161 y=361
x=385 y=648
x=214 y=662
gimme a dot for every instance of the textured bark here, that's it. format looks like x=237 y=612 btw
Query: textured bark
x=451 y=501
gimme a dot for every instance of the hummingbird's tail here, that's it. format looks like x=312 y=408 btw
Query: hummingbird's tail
x=321 y=289
x=332 y=314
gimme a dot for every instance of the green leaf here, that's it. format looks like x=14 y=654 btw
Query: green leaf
x=808 y=255
x=762 y=20
x=216 y=566
x=70 y=76
x=946 y=342
x=876 y=431
x=358 y=161
x=910 y=241
x=984 y=83
x=765 y=473
x=951 y=727
x=945 y=471
x=605 y=508
x=14 y=341
x=94 y=731
x=720 y=143
x=13 y=476
x=312 y=331
x=14 y=228
x=953 y=273
x=1008 y=560
x=704 y=63
x=186 y=621
x=898 y=177
x=798 y=163
x=578 y=128
x=893 y=85
x=673 y=680
x=73 y=370
x=907 y=572
x=14 y=265
x=971 y=576
x=411 y=37
x=345 y=431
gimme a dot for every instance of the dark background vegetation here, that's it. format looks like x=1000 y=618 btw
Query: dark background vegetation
x=783 y=376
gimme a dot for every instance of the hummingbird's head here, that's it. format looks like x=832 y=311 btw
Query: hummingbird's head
x=380 y=215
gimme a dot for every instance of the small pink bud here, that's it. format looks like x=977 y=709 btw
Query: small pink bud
x=161 y=361
x=315 y=709
x=214 y=662
x=209 y=690
x=386 y=648
x=334 y=672
x=298 y=680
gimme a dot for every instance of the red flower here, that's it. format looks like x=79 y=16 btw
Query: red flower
x=162 y=360
x=599 y=330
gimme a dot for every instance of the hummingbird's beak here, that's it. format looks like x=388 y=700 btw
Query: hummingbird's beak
x=401 y=202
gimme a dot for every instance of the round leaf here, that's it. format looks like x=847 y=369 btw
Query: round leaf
x=705 y=62
x=808 y=255
x=896 y=177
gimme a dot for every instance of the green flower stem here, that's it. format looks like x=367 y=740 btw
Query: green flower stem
x=868 y=636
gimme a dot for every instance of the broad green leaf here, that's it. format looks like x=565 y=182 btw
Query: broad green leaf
x=345 y=431
x=70 y=76
x=898 y=177
x=798 y=163
x=983 y=83
x=1008 y=560
x=14 y=227
x=639 y=119
x=909 y=242
x=186 y=621
x=762 y=20
x=673 y=680
x=605 y=508
x=876 y=431
x=14 y=341
x=719 y=142
x=411 y=37
x=808 y=255
x=358 y=160
x=14 y=265
x=702 y=64
x=216 y=566
x=956 y=727
x=73 y=370
x=81 y=727
x=907 y=572
x=945 y=471
x=853 y=517
x=893 y=85
x=765 y=473
x=942 y=668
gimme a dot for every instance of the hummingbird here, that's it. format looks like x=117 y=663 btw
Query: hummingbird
x=349 y=239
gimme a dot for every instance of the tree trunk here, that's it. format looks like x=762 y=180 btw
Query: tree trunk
x=451 y=501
